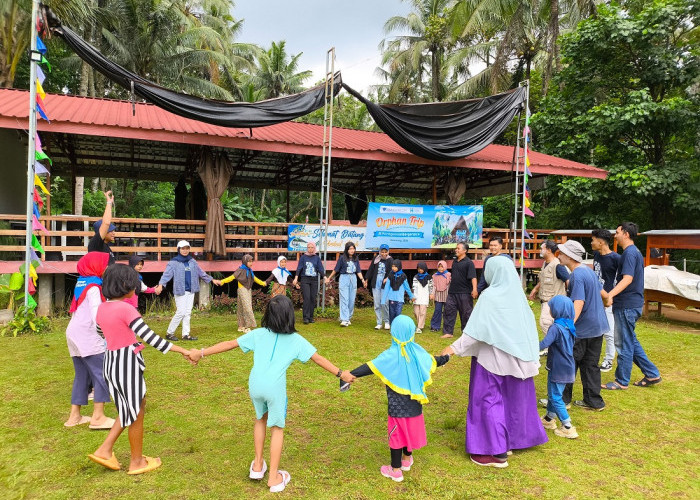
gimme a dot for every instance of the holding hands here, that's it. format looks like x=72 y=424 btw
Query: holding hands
x=159 y=289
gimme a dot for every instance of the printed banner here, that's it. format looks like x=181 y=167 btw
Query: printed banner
x=299 y=235
x=423 y=226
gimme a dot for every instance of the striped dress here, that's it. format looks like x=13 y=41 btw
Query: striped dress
x=123 y=368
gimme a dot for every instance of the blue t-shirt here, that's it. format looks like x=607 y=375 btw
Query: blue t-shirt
x=584 y=285
x=605 y=267
x=345 y=266
x=273 y=353
x=631 y=264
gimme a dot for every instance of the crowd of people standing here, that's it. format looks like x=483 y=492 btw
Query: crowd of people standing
x=580 y=307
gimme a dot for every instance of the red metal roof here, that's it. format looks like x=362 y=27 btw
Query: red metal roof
x=106 y=117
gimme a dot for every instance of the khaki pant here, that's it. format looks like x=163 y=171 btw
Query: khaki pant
x=246 y=318
x=420 y=312
x=546 y=319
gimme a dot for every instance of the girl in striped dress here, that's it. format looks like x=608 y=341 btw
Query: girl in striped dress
x=120 y=323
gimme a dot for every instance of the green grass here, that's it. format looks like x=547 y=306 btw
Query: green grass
x=199 y=421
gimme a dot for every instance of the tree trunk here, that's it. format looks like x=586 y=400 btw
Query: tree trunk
x=435 y=77
x=79 y=186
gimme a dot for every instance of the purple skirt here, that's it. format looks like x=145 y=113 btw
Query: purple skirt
x=502 y=413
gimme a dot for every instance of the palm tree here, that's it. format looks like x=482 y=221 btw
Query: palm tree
x=423 y=49
x=15 y=30
x=277 y=72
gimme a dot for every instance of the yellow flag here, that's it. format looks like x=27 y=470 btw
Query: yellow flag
x=527 y=203
x=527 y=161
x=37 y=182
x=33 y=275
x=40 y=90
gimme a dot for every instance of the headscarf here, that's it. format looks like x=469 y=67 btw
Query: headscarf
x=441 y=280
x=424 y=276
x=244 y=265
x=90 y=267
x=405 y=367
x=397 y=278
x=562 y=310
x=313 y=252
x=183 y=258
x=502 y=317
x=281 y=273
x=378 y=257
x=133 y=262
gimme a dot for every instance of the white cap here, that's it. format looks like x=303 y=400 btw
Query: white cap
x=573 y=249
x=183 y=243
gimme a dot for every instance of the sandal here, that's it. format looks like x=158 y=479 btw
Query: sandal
x=613 y=386
x=286 y=477
x=112 y=463
x=646 y=382
x=151 y=464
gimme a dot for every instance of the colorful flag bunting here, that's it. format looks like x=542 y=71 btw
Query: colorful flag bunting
x=529 y=212
x=41 y=113
x=527 y=202
x=46 y=61
x=36 y=245
x=40 y=155
x=38 y=226
x=40 y=90
x=40 y=169
x=40 y=47
x=37 y=182
x=35 y=210
x=40 y=75
x=38 y=200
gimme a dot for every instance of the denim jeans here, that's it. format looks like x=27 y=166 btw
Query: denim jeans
x=436 y=320
x=555 y=403
x=609 y=336
x=395 y=309
x=629 y=350
x=381 y=311
x=347 y=286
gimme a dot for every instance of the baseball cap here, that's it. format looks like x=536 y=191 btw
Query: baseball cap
x=573 y=249
x=383 y=246
x=183 y=243
x=98 y=224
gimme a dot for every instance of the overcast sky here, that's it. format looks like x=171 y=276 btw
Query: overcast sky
x=353 y=27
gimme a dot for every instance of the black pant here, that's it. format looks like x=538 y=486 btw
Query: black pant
x=457 y=302
x=396 y=456
x=309 y=291
x=586 y=356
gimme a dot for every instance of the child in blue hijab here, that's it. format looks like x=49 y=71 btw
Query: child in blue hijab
x=560 y=364
x=406 y=370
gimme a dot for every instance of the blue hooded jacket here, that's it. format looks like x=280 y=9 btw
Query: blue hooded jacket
x=560 y=341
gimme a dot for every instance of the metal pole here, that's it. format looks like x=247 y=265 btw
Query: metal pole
x=522 y=222
x=327 y=149
x=31 y=149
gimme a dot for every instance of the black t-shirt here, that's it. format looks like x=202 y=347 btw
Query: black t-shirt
x=605 y=267
x=97 y=244
x=463 y=271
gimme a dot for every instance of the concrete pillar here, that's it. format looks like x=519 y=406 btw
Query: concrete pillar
x=204 y=293
x=59 y=297
x=45 y=291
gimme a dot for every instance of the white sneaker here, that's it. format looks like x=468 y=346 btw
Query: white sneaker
x=343 y=323
x=544 y=351
x=569 y=433
x=606 y=366
x=387 y=326
x=418 y=330
x=257 y=474
x=378 y=327
x=348 y=323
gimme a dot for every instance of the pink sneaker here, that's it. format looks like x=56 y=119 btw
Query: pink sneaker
x=406 y=464
x=388 y=471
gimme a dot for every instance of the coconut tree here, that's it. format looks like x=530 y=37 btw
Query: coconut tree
x=277 y=72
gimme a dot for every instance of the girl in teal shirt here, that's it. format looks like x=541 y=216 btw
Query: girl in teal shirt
x=275 y=346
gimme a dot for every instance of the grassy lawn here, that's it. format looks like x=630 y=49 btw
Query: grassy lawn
x=200 y=420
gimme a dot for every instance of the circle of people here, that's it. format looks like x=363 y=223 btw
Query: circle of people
x=580 y=307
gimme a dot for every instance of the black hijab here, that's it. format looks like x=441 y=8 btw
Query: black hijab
x=397 y=278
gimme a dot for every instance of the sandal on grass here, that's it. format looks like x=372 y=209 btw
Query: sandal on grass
x=112 y=463
x=613 y=386
x=83 y=420
x=151 y=464
x=646 y=382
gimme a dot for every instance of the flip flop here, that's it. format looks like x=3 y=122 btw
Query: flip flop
x=286 y=477
x=83 y=420
x=112 y=463
x=645 y=382
x=152 y=463
x=106 y=425
x=613 y=386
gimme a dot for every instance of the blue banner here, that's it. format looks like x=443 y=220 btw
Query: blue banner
x=298 y=235
x=423 y=226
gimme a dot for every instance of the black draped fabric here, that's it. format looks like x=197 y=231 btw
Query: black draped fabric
x=227 y=114
x=446 y=130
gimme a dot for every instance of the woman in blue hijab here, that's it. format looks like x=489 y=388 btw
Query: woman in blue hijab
x=406 y=369
x=501 y=338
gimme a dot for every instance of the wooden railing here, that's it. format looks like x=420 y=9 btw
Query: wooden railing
x=154 y=237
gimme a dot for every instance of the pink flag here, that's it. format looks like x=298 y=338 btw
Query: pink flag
x=528 y=212
x=37 y=142
x=38 y=226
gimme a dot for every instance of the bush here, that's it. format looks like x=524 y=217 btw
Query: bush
x=223 y=304
x=26 y=321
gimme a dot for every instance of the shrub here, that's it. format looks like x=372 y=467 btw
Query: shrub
x=26 y=321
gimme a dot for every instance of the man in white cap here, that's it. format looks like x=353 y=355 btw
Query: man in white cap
x=590 y=321
x=185 y=273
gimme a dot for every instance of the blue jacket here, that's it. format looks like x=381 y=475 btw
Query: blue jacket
x=560 y=358
x=396 y=295
x=175 y=271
